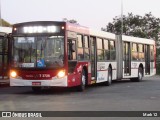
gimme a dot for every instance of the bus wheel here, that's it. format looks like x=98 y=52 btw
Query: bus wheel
x=81 y=87
x=109 y=82
x=140 y=76
x=36 y=89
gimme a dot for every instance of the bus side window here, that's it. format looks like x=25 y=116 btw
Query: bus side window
x=141 y=51
x=134 y=51
x=86 y=48
x=80 y=50
x=100 y=51
x=106 y=49
x=112 y=50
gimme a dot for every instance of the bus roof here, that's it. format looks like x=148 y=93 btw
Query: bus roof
x=38 y=23
x=108 y=35
x=102 y=34
x=85 y=30
x=137 y=40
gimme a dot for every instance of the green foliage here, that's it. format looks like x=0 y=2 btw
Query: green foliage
x=134 y=25
x=158 y=69
x=158 y=61
x=5 y=23
x=71 y=21
x=146 y=26
x=158 y=52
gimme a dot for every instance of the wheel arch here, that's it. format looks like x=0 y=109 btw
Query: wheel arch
x=86 y=73
x=110 y=66
x=141 y=66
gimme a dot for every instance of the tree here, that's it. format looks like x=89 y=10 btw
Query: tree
x=5 y=23
x=146 y=26
x=71 y=21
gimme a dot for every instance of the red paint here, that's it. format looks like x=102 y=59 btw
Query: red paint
x=74 y=79
x=37 y=74
x=77 y=28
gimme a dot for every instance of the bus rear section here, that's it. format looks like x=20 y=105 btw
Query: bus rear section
x=138 y=56
x=4 y=53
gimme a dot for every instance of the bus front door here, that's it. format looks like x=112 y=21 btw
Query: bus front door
x=127 y=59
x=93 y=58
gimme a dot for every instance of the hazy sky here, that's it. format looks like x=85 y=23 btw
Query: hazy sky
x=91 y=13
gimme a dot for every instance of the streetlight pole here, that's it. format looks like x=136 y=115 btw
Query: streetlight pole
x=0 y=15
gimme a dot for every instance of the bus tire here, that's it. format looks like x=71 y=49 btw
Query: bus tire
x=109 y=81
x=82 y=86
x=140 y=76
x=36 y=89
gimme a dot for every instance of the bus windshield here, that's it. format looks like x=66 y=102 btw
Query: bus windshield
x=38 y=52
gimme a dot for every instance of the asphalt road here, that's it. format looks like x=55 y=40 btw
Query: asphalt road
x=120 y=96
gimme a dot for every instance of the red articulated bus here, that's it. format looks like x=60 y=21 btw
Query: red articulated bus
x=50 y=53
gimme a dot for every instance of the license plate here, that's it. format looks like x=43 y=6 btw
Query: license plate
x=36 y=83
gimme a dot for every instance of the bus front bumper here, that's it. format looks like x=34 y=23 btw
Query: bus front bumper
x=59 y=82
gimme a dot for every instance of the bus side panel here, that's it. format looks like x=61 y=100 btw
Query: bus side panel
x=134 y=69
x=74 y=79
x=102 y=71
x=152 y=69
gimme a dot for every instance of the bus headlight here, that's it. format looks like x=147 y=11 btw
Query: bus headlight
x=61 y=74
x=13 y=74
